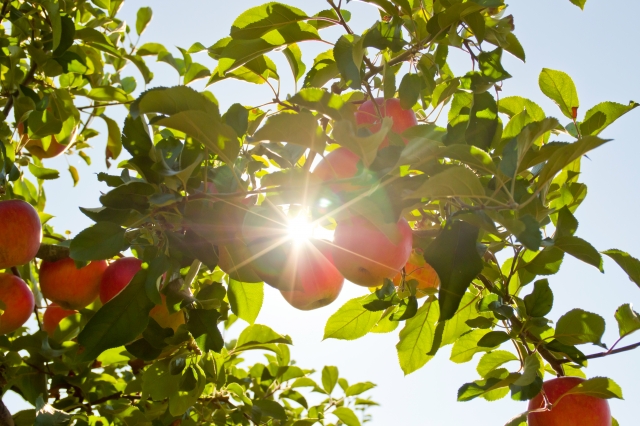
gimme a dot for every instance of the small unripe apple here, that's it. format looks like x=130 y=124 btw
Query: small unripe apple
x=419 y=270
x=18 y=303
x=365 y=255
x=338 y=164
x=311 y=280
x=52 y=317
x=571 y=410
x=20 y=233
x=402 y=118
x=70 y=287
x=162 y=316
x=35 y=147
x=117 y=276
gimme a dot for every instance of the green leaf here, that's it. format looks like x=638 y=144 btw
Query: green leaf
x=455 y=181
x=324 y=69
x=320 y=100
x=47 y=415
x=348 y=53
x=299 y=129
x=172 y=100
x=525 y=393
x=540 y=301
x=114 y=138
x=559 y=87
x=577 y=327
x=238 y=52
x=454 y=256
x=329 y=378
x=628 y=263
x=492 y=360
x=409 y=90
x=547 y=262
x=597 y=387
x=519 y=420
x=530 y=372
x=567 y=224
x=258 y=21
x=257 y=334
x=628 y=320
x=467 y=345
x=484 y=388
x=359 y=388
x=580 y=249
x=493 y=339
x=218 y=137
x=119 y=321
x=203 y=325
x=270 y=409
x=351 y=321
x=365 y=147
x=483 y=121
x=416 y=337
x=346 y=416
x=195 y=72
x=566 y=155
x=142 y=19
x=603 y=115
x=109 y=94
x=101 y=241
x=237 y=117
x=294 y=57
x=43 y=172
x=579 y=3
x=246 y=299
x=74 y=175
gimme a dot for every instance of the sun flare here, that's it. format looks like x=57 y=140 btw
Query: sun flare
x=300 y=229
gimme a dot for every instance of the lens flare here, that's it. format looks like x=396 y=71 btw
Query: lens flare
x=300 y=229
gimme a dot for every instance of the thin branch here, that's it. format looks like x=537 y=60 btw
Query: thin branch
x=609 y=352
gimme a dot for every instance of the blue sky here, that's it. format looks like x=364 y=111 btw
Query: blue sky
x=596 y=47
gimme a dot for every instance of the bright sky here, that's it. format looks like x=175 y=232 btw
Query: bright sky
x=596 y=47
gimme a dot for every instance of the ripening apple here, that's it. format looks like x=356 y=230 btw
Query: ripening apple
x=340 y=163
x=70 y=287
x=18 y=303
x=162 y=316
x=365 y=255
x=117 y=276
x=571 y=410
x=310 y=280
x=235 y=259
x=52 y=317
x=402 y=118
x=20 y=233
x=35 y=147
x=419 y=270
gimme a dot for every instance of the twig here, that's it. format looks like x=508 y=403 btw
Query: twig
x=609 y=352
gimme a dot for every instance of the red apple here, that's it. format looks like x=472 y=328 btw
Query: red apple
x=52 y=317
x=310 y=280
x=338 y=164
x=17 y=298
x=117 y=276
x=365 y=255
x=571 y=410
x=34 y=146
x=70 y=287
x=402 y=118
x=20 y=233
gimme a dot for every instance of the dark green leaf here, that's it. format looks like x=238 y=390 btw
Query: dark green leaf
x=540 y=301
x=567 y=224
x=114 y=139
x=409 y=90
x=580 y=249
x=455 y=181
x=320 y=100
x=525 y=393
x=566 y=155
x=493 y=339
x=483 y=121
x=348 y=53
x=294 y=57
x=203 y=325
x=103 y=240
x=628 y=263
x=170 y=101
x=270 y=409
x=43 y=172
x=299 y=129
x=119 y=321
x=454 y=256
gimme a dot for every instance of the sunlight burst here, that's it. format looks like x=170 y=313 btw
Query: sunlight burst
x=300 y=229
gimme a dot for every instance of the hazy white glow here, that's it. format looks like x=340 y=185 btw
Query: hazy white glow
x=300 y=229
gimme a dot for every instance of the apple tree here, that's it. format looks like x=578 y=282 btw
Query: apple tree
x=452 y=206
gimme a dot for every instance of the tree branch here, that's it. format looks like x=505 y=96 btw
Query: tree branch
x=611 y=352
x=5 y=415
